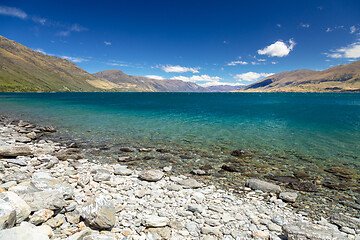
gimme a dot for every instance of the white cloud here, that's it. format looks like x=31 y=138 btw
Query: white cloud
x=73 y=28
x=277 y=49
x=261 y=60
x=350 y=51
x=352 y=29
x=197 y=78
x=155 y=77
x=179 y=69
x=279 y=25
x=251 y=76
x=255 y=63
x=107 y=43
x=304 y=25
x=40 y=50
x=274 y=63
x=40 y=20
x=14 y=12
x=75 y=59
x=328 y=29
x=234 y=63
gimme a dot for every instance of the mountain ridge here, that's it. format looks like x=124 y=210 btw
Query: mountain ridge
x=342 y=78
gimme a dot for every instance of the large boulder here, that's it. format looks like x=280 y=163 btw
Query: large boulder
x=43 y=181
x=24 y=231
x=14 y=150
x=99 y=213
x=21 y=207
x=7 y=215
x=48 y=199
x=257 y=184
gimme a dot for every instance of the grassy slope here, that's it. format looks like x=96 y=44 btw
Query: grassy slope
x=22 y=69
x=339 y=79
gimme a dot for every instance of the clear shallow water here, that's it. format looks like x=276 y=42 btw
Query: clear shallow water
x=324 y=127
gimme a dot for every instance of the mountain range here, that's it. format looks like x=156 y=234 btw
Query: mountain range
x=342 y=78
x=25 y=70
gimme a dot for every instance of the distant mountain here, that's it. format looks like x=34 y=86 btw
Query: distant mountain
x=222 y=88
x=23 y=69
x=343 y=78
x=143 y=84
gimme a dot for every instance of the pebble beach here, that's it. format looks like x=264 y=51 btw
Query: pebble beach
x=51 y=190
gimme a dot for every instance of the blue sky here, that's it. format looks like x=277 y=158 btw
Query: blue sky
x=207 y=42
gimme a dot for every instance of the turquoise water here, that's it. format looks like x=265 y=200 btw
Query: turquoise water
x=325 y=127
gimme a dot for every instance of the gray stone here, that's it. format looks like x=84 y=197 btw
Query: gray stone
x=83 y=180
x=16 y=176
x=99 y=213
x=190 y=183
x=306 y=231
x=124 y=159
x=155 y=221
x=17 y=161
x=21 y=207
x=101 y=176
x=97 y=236
x=195 y=208
x=48 y=199
x=288 y=196
x=122 y=170
x=56 y=222
x=41 y=216
x=345 y=221
x=24 y=231
x=8 y=185
x=257 y=184
x=43 y=182
x=151 y=175
x=23 y=139
x=7 y=215
x=69 y=153
x=211 y=230
x=73 y=217
x=348 y=230
x=15 y=150
x=31 y=135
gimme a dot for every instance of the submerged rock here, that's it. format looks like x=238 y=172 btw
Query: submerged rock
x=241 y=153
x=257 y=184
x=303 y=186
x=230 y=168
x=99 y=213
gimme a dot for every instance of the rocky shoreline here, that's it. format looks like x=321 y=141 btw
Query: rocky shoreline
x=51 y=191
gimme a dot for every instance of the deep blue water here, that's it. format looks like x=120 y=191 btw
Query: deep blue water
x=322 y=126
